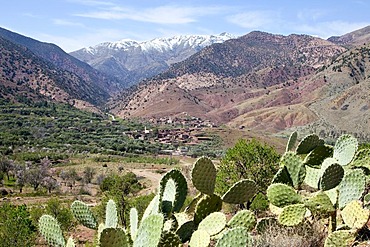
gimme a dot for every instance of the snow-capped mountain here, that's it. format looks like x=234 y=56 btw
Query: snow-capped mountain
x=132 y=61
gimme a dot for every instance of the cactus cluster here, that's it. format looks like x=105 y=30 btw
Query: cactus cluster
x=334 y=173
x=315 y=180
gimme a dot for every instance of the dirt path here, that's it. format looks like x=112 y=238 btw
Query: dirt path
x=152 y=176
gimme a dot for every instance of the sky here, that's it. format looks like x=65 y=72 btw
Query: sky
x=74 y=24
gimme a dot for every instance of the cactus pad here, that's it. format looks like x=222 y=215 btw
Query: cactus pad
x=178 y=193
x=207 y=205
x=341 y=238
x=295 y=167
x=113 y=237
x=50 y=230
x=203 y=175
x=111 y=218
x=241 y=192
x=354 y=215
x=352 y=187
x=308 y=144
x=134 y=221
x=282 y=176
x=281 y=195
x=345 y=149
x=152 y=208
x=318 y=155
x=149 y=232
x=291 y=142
x=169 y=239
x=185 y=231
x=331 y=177
x=236 y=237
x=292 y=215
x=319 y=203
x=243 y=218
x=313 y=176
x=83 y=214
x=200 y=238
x=213 y=223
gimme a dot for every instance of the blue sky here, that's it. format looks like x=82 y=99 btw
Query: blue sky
x=73 y=24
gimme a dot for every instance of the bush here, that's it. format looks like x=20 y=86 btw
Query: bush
x=247 y=159
x=16 y=227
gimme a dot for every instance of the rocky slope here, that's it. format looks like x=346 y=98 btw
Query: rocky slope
x=131 y=61
x=103 y=84
x=353 y=39
x=250 y=82
x=26 y=77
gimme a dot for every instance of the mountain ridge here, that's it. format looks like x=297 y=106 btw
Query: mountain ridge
x=132 y=61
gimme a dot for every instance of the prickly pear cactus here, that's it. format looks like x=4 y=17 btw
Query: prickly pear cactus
x=236 y=237
x=345 y=149
x=169 y=239
x=149 y=232
x=331 y=177
x=319 y=203
x=83 y=214
x=213 y=223
x=243 y=218
x=282 y=195
x=173 y=188
x=200 y=238
x=50 y=230
x=282 y=176
x=308 y=144
x=291 y=142
x=292 y=215
x=203 y=175
x=352 y=187
x=111 y=218
x=313 y=176
x=134 y=221
x=240 y=192
x=207 y=205
x=295 y=167
x=341 y=238
x=113 y=237
x=354 y=215
x=185 y=231
x=318 y=155
x=152 y=208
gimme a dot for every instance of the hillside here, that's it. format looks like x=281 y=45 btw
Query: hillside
x=353 y=39
x=26 y=77
x=131 y=61
x=248 y=82
x=343 y=104
x=103 y=84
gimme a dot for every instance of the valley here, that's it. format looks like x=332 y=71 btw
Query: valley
x=108 y=121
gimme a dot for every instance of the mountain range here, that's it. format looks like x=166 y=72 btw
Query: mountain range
x=259 y=81
x=131 y=61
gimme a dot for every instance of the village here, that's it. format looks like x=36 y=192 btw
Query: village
x=182 y=132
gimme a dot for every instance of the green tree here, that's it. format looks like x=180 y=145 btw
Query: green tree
x=249 y=159
x=16 y=227
x=119 y=187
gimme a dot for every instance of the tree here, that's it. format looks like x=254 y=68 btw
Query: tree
x=119 y=187
x=248 y=159
x=16 y=227
x=6 y=166
x=50 y=183
x=20 y=174
x=35 y=174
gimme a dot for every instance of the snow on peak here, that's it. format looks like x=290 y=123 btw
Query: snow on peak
x=164 y=44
